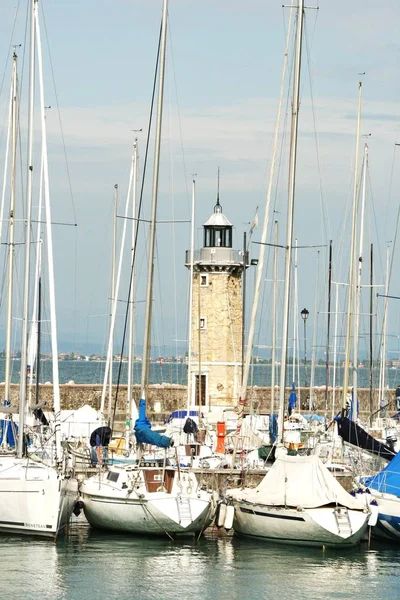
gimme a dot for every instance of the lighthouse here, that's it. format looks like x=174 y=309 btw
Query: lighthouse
x=217 y=311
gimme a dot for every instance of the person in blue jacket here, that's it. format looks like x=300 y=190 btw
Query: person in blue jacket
x=99 y=439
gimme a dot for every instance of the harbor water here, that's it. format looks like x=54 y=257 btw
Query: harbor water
x=89 y=565
x=81 y=371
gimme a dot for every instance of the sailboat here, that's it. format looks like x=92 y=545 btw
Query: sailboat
x=298 y=501
x=36 y=498
x=149 y=497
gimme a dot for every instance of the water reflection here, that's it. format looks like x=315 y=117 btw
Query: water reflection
x=94 y=565
x=30 y=567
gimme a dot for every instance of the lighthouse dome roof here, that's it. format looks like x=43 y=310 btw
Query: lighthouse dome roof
x=217 y=219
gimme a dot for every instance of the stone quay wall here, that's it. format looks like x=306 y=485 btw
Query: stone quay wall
x=164 y=398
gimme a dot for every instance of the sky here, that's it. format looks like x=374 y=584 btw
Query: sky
x=224 y=65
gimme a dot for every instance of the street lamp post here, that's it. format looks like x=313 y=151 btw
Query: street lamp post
x=304 y=315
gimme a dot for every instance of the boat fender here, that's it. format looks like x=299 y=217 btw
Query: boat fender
x=220 y=517
x=230 y=511
x=374 y=508
x=78 y=508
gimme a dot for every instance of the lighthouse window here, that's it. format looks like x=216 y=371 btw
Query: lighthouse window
x=203 y=280
x=203 y=323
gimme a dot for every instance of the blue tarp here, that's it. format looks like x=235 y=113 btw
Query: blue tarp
x=292 y=399
x=143 y=432
x=387 y=480
x=273 y=427
x=6 y=425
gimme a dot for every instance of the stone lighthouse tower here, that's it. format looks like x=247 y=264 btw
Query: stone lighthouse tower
x=217 y=308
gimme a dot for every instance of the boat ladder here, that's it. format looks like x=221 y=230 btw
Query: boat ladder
x=185 y=514
x=343 y=522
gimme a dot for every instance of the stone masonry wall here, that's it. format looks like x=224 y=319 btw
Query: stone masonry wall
x=164 y=398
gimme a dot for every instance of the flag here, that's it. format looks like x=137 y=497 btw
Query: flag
x=254 y=223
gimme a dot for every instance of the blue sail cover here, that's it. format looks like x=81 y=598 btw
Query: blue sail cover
x=6 y=428
x=143 y=432
x=273 y=427
x=292 y=398
x=386 y=481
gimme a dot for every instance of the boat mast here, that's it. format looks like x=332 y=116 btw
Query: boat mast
x=39 y=325
x=350 y=306
x=11 y=248
x=28 y=213
x=290 y=212
x=274 y=314
x=358 y=289
x=113 y=300
x=132 y=410
x=335 y=338
x=260 y=265
x=371 y=324
x=295 y=319
x=34 y=334
x=50 y=258
x=314 y=343
x=382 y=377
x=5 y=170
x=149 y=292
x=114 y=303
x=328 y=328
x=189 y=367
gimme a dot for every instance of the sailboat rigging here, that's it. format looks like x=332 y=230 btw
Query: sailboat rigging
x=144 y=498
x=37 y=496
x=298 y=501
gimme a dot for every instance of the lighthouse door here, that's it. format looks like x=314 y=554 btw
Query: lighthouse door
x=200 y=391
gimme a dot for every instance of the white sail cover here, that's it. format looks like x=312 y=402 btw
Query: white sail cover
x=299 y=481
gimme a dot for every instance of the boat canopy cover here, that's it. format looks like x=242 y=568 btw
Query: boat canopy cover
x=353 y=434
x=143 y=432
x=386 y=481
x=299 y=481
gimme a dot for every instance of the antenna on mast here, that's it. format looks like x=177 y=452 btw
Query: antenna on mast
x=217 y=207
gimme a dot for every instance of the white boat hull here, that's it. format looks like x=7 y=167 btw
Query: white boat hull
x=181 y=512
x=34 y=498
x=310 y=527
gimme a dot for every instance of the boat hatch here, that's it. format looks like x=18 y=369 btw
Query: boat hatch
x=112 y=476
x=154 y=480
